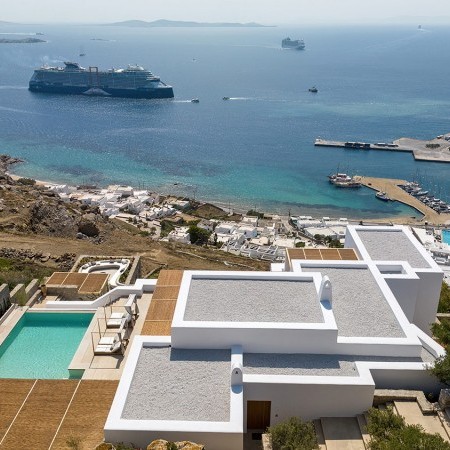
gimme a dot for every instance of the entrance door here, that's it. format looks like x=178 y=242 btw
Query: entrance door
x=258 y=415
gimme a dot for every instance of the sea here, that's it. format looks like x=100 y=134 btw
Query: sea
x=254 y=151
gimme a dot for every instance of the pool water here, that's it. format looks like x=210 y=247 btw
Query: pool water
x=446 y=236
x=42 y=345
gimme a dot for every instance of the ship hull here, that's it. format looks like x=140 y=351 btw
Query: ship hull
x=160 y=92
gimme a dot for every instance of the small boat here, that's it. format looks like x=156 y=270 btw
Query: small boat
x=225 y=98
x=82 y=54
x=195 y=100
x=313 y=90
x=380 y=195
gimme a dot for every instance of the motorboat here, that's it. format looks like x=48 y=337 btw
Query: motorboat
x=380 y=195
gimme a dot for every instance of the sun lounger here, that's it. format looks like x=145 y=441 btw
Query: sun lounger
x=118 y=319
x=109 y=345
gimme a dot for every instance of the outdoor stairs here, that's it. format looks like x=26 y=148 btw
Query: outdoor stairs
x=431 y=423
x=340 y=433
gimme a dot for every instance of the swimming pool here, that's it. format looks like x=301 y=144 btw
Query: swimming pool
x=446 y=236
x=42 y=345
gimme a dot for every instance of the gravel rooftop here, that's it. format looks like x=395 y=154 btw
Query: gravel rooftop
x=391 y=246
x=309 y=364
x=359 y=306
x=253 y=301
x=176 y=384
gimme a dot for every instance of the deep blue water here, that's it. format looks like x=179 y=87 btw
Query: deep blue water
x=256 y=150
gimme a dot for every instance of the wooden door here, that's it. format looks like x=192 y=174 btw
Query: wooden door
x=258 y=415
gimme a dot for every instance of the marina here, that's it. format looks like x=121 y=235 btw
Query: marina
x=394 y=189
x=436 y=150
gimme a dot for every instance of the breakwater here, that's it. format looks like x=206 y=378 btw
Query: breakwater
x=436 y=150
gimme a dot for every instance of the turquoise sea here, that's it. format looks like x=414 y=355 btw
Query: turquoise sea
x=256 y=150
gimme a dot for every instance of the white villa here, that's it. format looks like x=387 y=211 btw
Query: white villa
x=311 y=338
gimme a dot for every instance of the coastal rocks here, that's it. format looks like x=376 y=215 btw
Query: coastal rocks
x=88 y=228
x=51 y=219
x=6 y=161
x=65 y=261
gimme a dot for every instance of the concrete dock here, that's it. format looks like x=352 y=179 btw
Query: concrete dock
x=436 y=150
x=391 y=187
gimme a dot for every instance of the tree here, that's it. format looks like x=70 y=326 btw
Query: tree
x=293 y=434
x=198 y=235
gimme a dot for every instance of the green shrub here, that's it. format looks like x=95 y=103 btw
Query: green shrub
x=293 y=434
x=441 y=331
x=300 y=244
x=389 y=431
x=444 y=299
x=254 y=213
x=26 y=181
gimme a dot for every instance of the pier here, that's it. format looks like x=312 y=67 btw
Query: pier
x=436 y=150
x=391 y=187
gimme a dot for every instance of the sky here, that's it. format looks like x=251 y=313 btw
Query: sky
x=270 y=12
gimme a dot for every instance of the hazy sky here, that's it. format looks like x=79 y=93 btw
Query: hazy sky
x=263 y=11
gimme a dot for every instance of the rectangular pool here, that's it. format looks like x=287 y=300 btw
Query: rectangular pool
x=446 y=236
x=42 y=345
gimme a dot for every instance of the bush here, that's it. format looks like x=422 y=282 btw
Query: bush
x=294 y=434
x=26 y=181
x=300 y=244
x=444 y=299
x=441 y=331
x=254 y=213
x=389 y=431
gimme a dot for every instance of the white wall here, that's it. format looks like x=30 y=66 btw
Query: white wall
x=406 y=379
x=427 y=299
x=309 y=401
x=256 y=340
x=211 y=441
x=405 y=291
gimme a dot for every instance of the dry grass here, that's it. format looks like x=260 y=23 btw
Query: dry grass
x=12 y=395
x=40 y=416
x=87 y=414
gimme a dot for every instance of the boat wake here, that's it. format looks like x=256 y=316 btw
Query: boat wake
x=13 y=87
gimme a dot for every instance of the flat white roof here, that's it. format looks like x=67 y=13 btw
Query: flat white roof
x=359 y=306
x=253 y=300
x=181 y=385
x=395 y=245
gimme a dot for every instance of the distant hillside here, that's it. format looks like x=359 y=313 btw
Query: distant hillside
x=176 y=23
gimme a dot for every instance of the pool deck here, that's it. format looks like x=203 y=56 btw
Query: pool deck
x=106 y=367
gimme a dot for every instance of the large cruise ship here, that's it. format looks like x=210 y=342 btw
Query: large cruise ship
x=134 y=81
x=297 y=44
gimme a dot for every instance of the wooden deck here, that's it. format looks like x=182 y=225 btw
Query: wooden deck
x=45 y=414
x=159 y=317
x=322 y=254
